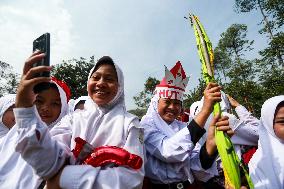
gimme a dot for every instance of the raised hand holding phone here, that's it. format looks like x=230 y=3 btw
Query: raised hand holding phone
x=25 y=95
x=42 y=44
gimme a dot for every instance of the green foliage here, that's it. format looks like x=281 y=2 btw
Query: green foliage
x=233 y=41
x=194 y=95
x=9 y=80
x=138 y=112
x=75 y=73
x=274 y=51
x=143 y=99
x=272 y=12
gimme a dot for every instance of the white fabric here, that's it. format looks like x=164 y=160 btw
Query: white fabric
x=245 y=127
x=64 y=105
x=169 y=148
x=225 y=103
x=5 y=102
x=15 y=173
x=267 y=164
x=108 y=125
x=195 y=108
x=78 y=100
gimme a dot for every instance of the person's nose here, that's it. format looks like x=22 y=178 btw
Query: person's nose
x=101 y=82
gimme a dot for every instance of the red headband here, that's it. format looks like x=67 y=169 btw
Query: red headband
x=64 y=86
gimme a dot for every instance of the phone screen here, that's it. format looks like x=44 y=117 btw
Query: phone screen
x=42 y=43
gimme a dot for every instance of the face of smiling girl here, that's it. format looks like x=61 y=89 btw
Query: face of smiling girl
x=48 y=105
x=103 y=84
x=278 y=125
x=169 y=109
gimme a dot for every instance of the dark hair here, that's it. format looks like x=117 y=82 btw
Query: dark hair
x=281 y=104
x=80 y=102
x=44 y=86
x=105 y=60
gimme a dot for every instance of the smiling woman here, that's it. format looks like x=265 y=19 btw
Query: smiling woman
x=103 y=84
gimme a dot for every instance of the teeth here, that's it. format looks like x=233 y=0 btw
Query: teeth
x=100 y=92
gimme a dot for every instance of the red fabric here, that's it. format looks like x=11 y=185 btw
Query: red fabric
x=104 y=155
x=248 y=155
x=64 y=86
x=174 y=71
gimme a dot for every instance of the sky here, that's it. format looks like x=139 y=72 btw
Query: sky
x=141 y=36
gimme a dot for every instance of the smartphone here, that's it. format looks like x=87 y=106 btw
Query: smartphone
x=42 y=43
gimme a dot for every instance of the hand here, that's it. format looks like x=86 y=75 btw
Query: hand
x=233 y=102
x=25 y=95
x=54 y=182
x=212 y=94
x=221 y=124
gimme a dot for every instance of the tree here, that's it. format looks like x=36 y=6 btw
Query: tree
x=273 y=17
x=233 y=41
x=9 y=80
x=194 y=95
x=75 y=73
x=143 y=99
x=222 y=62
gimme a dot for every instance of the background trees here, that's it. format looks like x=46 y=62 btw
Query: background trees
x=75 y=73
x=8 y=79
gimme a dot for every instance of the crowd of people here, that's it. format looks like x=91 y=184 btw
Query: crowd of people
x=49 y=141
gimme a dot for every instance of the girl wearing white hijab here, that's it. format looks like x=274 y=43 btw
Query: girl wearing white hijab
x=7 y=119
x=104 y=121
x=266 y=167
x=15 y=173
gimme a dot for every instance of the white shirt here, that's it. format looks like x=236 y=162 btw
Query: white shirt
x=15 y=172
x=171 y=155
x=99 y=126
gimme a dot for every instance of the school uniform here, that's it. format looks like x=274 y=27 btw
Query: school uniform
x=266 y=167
x=100 y=126
x=172 y=154
x=15 y=172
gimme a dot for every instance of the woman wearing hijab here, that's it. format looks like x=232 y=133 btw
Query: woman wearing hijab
x=51 y=105
x=103 y=122
x=170 y=144
x=266 y=167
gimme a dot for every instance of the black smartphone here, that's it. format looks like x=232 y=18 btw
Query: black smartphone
x=42 y=43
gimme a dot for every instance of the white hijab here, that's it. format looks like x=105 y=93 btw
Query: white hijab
x=81 y=98
x=106 y=125
x=64 y=105
x=153 y=119
x=267 y=164
x=5 y=102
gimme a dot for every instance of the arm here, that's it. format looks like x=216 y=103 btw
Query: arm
x=173 y=149
x=34 y=142
x=203 y=157
x=85 y=176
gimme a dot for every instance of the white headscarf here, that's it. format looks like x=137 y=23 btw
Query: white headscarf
x=81 y=98
x=106 y=124
x=267 y=164
x=154 y=119
x=64 y=105
x=5 y=102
